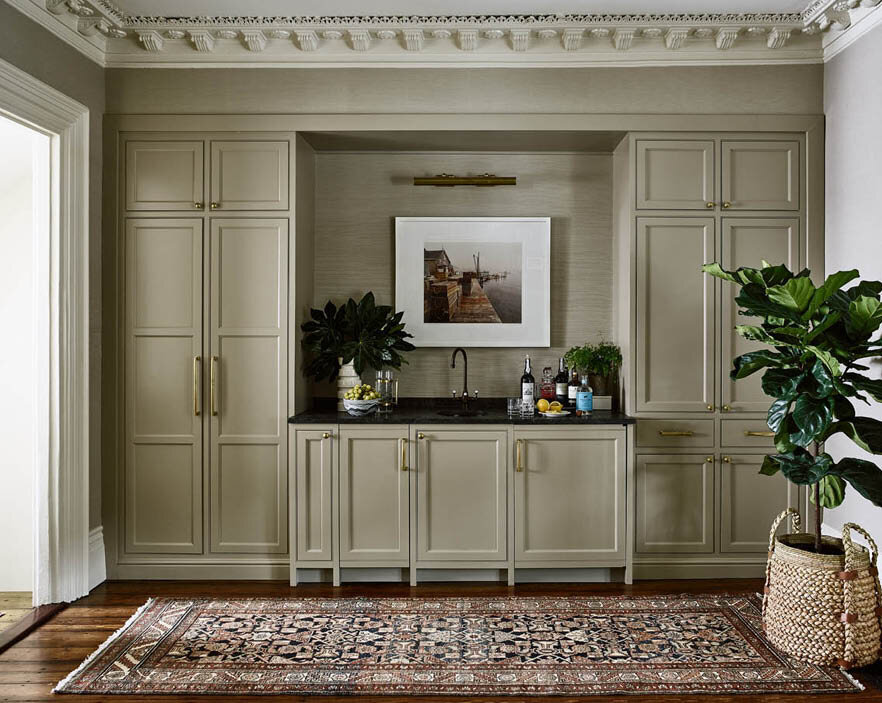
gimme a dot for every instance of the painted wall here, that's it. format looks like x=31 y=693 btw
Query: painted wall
x=19 y=217
x=38 y=52
x=358 y=195
x=853 y=104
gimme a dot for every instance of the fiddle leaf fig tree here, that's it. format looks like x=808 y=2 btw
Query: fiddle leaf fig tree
x=816 y=342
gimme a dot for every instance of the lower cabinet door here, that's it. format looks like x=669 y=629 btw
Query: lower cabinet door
x=461 y=495
x=675 y=503
x=749 y=501
x=374 y=495
x=569 y=495
x=314 y=466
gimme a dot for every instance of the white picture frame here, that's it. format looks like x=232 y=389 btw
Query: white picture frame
x=447 y=269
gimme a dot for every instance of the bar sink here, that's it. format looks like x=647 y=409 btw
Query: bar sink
x=461 y=413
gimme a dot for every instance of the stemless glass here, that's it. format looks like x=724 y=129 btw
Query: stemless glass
x=387 y=387
x=514 y=407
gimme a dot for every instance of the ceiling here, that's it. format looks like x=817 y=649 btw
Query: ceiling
x=289 y=8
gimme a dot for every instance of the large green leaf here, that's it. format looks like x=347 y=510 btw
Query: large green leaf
x=795 y=294
x=801 y=467
x=770 y=466
x=823 y=380
x=777 y=412
x=752 y=300
x=718 y=271
x=752 y=362
x=826 y=358
x=863 y=431
x=864 y=317
x=775 y=275
x=864 y=476
x=834 y=282
x=831 y=490
x=812 y=416
x=871 y=386
x=830 y=319
x=782 y=383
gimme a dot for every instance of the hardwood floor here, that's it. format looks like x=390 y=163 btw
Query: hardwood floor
x=14 y=605
x=30 y=668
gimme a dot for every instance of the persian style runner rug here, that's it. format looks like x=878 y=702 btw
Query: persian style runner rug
x=521 y=646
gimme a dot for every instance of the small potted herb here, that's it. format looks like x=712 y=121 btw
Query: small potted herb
x=600 y=361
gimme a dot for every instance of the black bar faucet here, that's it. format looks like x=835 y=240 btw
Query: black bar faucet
x=465 y=376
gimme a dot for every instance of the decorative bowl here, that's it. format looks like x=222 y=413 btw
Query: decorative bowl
x=360 y=407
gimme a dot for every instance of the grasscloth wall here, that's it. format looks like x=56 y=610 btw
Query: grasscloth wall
x=358 y=195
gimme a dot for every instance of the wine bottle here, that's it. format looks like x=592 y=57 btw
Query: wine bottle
x=528 y=383
x=560 y=384
x=573 y=390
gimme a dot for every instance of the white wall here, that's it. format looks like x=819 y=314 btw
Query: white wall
x=20 y=212
x=853 y=105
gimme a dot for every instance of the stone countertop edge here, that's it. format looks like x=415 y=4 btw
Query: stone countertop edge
x=427 y=417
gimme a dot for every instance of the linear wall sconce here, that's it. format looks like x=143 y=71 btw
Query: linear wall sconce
x=447 y=180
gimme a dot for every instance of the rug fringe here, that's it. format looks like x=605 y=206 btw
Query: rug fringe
x=853 y=680
x=61 y=684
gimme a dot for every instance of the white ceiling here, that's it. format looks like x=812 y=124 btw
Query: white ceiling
x=288 y=8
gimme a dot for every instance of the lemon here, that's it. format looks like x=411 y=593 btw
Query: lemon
x=555 y=407
x=542 y=405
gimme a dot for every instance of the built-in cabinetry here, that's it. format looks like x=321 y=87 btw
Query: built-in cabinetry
x=458 y=497
x=739 y=200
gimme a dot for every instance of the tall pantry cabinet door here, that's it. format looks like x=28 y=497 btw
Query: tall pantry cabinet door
x=247 y=382
x=374 y=495
x=749 y=242
x=675 y=175
x=315 y=466
x=249 y=175
x=675 y=314
x=164 y=403
x=760 y=175
x=164 y=175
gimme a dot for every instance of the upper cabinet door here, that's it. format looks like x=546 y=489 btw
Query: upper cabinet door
x=675 y=314
x=760 y=175
x=749 y=241
x=249 y=175
x=164 y=175
x=675 y=175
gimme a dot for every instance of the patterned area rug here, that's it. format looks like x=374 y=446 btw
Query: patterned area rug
x=448 y=646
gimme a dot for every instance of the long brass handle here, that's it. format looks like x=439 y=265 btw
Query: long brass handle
x=519 y=465
x=403 y=442
x=197 y=366
x=676 y=433
x=214 y=362
x=751 y=433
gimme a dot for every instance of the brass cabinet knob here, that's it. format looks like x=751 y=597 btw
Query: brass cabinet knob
x=709 y=206
x=727 y=460
x=199 y=205
x=726 y=408
x=420 y=435
x=710 y=408
x=709 y=460
x=215 y=206
x=727 y=205
x=326 y=435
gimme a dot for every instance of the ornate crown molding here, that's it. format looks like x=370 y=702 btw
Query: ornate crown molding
x=462 y=40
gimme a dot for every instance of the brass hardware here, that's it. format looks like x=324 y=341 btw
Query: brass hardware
x=675 y=433
x=447 y=180
x=709 y=460
x=326 y=435
x=751 y=433
x=199 y=205
x=403 y=442
x=519 y=466
x=727 y=205
x=420 y=435
x=214 y=361
x=725 y=408
x=709 y=206
x=727 y=460
x=710 y=408
x=196 y=367
x=214 y=206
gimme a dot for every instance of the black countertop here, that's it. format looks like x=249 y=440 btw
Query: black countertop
x=426 y=411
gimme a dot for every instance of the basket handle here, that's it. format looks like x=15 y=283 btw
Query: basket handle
x=776 y=523
x=849 y=548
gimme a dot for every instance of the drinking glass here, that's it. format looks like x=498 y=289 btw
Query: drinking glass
x=387 y=388
x=514 y=407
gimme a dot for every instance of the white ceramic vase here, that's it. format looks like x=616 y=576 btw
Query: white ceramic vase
x=346 y=381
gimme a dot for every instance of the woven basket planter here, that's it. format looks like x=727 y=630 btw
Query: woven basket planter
x=822 y=608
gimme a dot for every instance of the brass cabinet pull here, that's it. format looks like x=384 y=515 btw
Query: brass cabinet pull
x=676 y=433
x=727 y=460
x=709 y=206
x=519 y=466
x=709 y=460
x=326 y=435
x=752 y=433
x=710 y=408
x=214 y=362
x=726 y=408
x=420 y=435
x=199 y=205
x=214 y=206
x=727 y=205
x=403 y=442
x=197 y=366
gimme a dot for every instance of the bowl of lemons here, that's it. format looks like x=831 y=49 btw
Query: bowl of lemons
x=551 y=409
x=361 y=399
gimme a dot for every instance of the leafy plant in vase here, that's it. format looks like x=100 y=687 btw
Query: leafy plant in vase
x=342 y=342
x=816 y=340
x=600 y=361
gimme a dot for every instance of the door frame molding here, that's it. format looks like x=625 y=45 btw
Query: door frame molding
x=61 y=543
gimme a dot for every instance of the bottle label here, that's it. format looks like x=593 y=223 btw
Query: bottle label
x=560 y=389
x=585 y=401
x=572 y=391
x=527 y=392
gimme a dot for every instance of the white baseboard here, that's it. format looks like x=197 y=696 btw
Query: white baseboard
x=97 y=565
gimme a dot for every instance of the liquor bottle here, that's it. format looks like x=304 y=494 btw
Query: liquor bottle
x=560 y=384
x=585 y=397
x=528 y=384
x=546 y=388
x=573 y=390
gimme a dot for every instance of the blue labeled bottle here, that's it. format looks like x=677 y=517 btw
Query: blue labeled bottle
x=585 y=397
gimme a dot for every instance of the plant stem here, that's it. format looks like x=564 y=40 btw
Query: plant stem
x=816 y=488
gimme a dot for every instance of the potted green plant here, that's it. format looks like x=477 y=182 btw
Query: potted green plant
x=344 y=341
x=600 y=361
x=816 y=340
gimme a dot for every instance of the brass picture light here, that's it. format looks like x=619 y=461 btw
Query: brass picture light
x=447 y=180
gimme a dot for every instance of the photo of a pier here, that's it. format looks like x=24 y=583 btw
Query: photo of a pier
x=466 y=282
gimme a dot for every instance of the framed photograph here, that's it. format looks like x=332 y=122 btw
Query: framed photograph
x=474 y=281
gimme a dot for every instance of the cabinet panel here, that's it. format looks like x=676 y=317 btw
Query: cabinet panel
x=461 y=495
x=675 y=314
x=569 y=496
x=314 y=468
x=163 y=474
x=674 y=433
x=675 y=175
x=374 y=495
x=164 y=175
x=675 y=503
x=746 y=433
x=248 y=378
x=749 y=501
x=760 y=175
x=749 y=242
x=249 y=175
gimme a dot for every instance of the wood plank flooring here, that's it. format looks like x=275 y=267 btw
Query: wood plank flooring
x=14 y=605
x=30 y=668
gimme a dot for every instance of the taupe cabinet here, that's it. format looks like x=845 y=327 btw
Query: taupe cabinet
x=206 y=353
x=458 y=497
